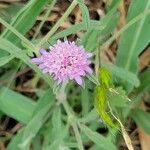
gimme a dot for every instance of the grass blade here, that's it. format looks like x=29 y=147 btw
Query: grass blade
x=16 y=105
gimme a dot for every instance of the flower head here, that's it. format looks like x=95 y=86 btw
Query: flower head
x=65 y=61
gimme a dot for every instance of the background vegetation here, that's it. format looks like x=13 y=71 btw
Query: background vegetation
x=117 y=32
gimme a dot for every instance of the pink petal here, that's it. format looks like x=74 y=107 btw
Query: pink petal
x=36 y=60
x=43 y=51
x=42 y=66
x=88 y=70
x=78 y=80
x=81 y=72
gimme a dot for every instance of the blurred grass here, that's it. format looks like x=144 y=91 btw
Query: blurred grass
x=48 y=125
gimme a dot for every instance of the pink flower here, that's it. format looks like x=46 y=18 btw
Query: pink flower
x=65 y=61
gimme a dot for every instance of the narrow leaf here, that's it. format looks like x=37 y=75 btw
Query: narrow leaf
x=98 y=139
x=135 y=38
x=124 y=74
x=16 y=105
x=142 y=118
x=4 y=60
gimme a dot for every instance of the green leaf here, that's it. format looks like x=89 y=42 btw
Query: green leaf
x=104 y=77
x=16 y=105
x=93 y=78
x=145 y=81
x=135 y=38
x=25 y=19
x=74 y=29
x=37 y=142
x=108 y=23
x=142 y=118
x=13 y=145
x=19 y=35
x=85 y=13
x=56 y=122
x=10 y=11
x=85 y=101
x=118 y=98
x=14 y=50
x=124 y=74
x=100 y=104
x=26 y=135
x=33 y=127
x=4 y=60
x=90 y=117
x=48 y=97
x=98 y=139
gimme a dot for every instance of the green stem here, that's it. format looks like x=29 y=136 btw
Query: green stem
x=77 y=135
x=67 y=109
x=59 y=22
x=73 y=123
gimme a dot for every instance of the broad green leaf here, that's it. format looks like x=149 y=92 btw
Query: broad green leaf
x=13 y=145
x=25 y=19
x=145 y=81
x=142 y=118
x=4 y=60
x=16 y=105
x=37 y=142
x=10 y=11
x=90 y=117
x=47 y=97
x=33 y=127
x=24 y=137
x=124 y=74
x=135 y=38
x=98 y=139
x=57 y=122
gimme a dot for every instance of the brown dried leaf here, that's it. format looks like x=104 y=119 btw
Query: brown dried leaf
x=144 y=139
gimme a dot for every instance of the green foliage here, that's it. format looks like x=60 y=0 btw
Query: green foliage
x=28 y=15
x=134 y=39
x=101 y=92
x=52 y=124
x=142 y=118
x=98 y=139
x=106 y=26
x=145 y=81
x=16 y=105
x=4 y=60
x=85 y=14
x=118 y=98
x=39 y=115
x=124 y=74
